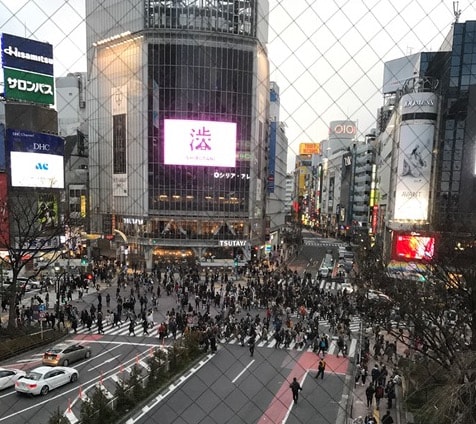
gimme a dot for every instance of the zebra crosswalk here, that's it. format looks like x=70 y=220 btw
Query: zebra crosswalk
x=318 y=242
x=268 y=342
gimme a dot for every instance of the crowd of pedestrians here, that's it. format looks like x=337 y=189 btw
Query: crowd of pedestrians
x=251 y=303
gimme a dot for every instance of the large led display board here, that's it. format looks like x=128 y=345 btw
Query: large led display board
x=414 y=247
x=36 y=159
x=199 y=143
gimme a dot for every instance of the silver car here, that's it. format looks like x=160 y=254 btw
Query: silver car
x=65 y=354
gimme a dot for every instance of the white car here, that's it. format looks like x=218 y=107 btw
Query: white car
x=40 y=380
x=349 y=288
x=9 y=376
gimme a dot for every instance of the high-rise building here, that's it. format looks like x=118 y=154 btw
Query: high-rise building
x=71 y=107
x=427 y=171
x=277 y=167
x=178 y=96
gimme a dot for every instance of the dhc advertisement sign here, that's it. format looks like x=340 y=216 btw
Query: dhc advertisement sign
x=36 y=159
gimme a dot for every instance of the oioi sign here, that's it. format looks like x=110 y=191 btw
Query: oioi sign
x=28 y=69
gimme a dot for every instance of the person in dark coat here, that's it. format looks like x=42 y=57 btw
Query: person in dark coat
x=131 y=327
x=295 y=388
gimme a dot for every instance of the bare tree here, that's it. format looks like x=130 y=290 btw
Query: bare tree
x=438 y=307
x=31 y=231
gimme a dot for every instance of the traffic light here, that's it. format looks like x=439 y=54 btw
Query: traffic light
x=84 y=261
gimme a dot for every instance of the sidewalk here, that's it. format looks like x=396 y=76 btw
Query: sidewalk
x=358 y=399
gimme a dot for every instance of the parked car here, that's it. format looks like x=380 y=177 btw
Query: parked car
x=40 y=380
x=65 y=354
x=9 y=376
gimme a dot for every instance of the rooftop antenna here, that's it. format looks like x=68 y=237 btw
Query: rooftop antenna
x=456 y=11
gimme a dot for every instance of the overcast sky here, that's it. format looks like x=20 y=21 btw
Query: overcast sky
x=326 y=55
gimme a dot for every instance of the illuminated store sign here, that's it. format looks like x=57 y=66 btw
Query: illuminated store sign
x=232 y=243
x=201 y=143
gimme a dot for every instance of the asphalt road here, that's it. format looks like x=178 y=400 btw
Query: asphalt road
x=229 y=386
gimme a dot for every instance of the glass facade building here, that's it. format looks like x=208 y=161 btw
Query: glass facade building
x=455 y=188
x=202 y=62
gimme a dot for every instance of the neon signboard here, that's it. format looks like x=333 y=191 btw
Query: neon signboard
x=199 y=143
x=414 y=247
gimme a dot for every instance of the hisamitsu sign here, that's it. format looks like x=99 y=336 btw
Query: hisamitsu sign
x=27 y=55
x=28 y=69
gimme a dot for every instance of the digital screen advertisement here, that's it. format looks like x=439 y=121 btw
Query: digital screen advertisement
x=414 y=247
x=199 y=143
x=36 y=159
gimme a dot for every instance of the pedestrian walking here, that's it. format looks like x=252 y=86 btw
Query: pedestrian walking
x=145 y=326
x=379 y=394
x=295 y=388
x=387 y=418
x=131 y=327
x=321 y=368
x=369 y=393
x=251 y=344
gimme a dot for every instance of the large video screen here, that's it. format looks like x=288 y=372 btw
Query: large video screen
x=36 y=159
x=199 y=143
x=414 y=247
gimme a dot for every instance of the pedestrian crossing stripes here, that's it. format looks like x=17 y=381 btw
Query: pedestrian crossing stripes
x=327 y=285
x=318 y=242
x=268 y=342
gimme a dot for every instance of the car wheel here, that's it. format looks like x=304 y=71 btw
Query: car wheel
x=88 y=354
x=74 y=377
x=65 y=363
x=44 y=390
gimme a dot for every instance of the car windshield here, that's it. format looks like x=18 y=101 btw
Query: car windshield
x=55 y=350
x=33 y=376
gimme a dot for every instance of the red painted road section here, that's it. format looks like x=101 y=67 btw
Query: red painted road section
x=86 y=337
x=307 y=362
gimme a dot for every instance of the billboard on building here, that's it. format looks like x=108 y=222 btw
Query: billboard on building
x=119 y=141
x=199 y=143
x=4 y=219
x=36 y=159
x=413 y=246
x=28 y=69
x=272 y=156
x=397 y=71
x=342 y=130
x=417 y=131
x=3 y=162
x=309 y=148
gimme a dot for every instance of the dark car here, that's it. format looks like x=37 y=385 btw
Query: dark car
x=66 y=353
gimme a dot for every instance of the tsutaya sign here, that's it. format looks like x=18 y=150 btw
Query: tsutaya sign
x=232 y=243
